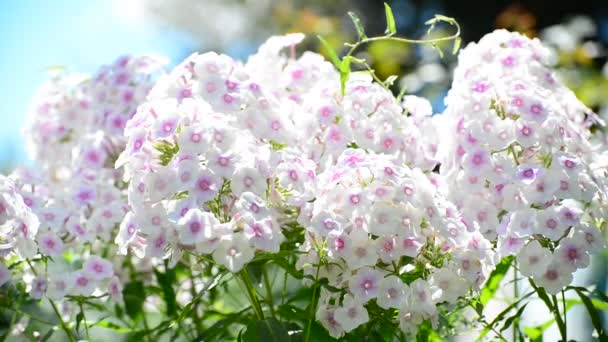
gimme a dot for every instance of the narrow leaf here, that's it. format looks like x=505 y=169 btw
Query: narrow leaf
x=344 y=72
x=268 y=330
x=113 y=326
x=391 y=28
x=500 y=316
x=330 y=51
x=47 y=336
x=358 y=26
x=79 y=318
x=596 y=320
x=493 y=282
x=512 y=319
x=134 y=296
x=536 y=333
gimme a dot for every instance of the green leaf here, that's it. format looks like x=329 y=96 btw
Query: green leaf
x=542 y=294
x=267 y=330
x=493 y=282
x=456 y=47
x=166 y=281
x=113 y=326
x=344 y=72
x=358 y=25
x=330 y=51
x=390 y=80
x=48 y=335
x=276 y=146
x=598 y=304
x=596 y=320
x=79 y=318
x=391 y=28
x=536 y=333
x=134 y=296
x=167 y=150
x=512 y=319
x=293 y=312
x=500 y=316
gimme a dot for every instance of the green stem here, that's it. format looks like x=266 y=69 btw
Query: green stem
x=84 y=318
x=565 y=311
x=515 y=295
x=64 y=326
x=358 y=44
x=561 y=323
x=268 y=287
x=251 y=294
x=313 y=304
x=553 y=308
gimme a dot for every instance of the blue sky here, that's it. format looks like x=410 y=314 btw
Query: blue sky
x=81 y=35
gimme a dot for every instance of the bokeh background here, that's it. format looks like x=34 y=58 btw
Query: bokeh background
x=39 y=36
x=82 y=35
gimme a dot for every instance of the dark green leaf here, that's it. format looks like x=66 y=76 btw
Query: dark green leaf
x=134 y=296
x=293 y=312
x=330 y=51
x=593 y=314
x=358 y=25
x=491 y=286
x=391 y=28
x=79 y=318
x=267 y=330
x=512 y=319
x=166 y=281
x=48 y=335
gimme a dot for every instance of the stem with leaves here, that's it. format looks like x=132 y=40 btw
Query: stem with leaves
x=344 y=64
x=553 y=308
x=64 y=326
x=84 y=319
x=251 y=294
x=313 y=304
x=515 y=295
x=268 y=287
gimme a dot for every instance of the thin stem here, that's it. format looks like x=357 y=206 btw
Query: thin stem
x=558 y=319
x=64 y=326
x=358 y=44
x=197 y=320
x=553 y=308
x=268 y=287
x=84 y=318
x=313 y=304
x=564 y=306
x=284 y=290
x=515 y=295
x=251 y=294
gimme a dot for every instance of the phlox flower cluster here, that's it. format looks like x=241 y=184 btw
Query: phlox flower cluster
x=518 y=159
x=391 y=209
x=223 y=153
x=376 y=222
x=72 y=200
